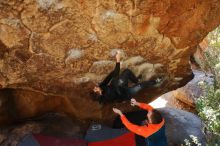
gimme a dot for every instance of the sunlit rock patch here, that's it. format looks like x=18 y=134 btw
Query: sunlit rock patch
x=63 y=48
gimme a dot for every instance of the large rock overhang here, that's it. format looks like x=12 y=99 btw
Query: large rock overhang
x=61 y=48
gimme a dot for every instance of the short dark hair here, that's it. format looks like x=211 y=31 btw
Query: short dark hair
x=156 y=117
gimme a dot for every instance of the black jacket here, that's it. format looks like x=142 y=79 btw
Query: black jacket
x=111 y=88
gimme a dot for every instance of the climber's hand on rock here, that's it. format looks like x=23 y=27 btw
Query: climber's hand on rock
x=117 y=56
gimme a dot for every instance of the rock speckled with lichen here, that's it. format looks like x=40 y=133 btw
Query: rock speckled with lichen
x=53 y=51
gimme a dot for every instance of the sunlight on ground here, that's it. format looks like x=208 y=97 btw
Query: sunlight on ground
x=159 y=103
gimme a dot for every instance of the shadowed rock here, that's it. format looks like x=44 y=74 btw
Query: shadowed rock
x=180 y=125
x=161 y=34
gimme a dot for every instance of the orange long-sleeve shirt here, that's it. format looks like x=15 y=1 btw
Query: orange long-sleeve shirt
x=145 y=130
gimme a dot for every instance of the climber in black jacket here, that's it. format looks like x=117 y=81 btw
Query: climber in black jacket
x=115 y=86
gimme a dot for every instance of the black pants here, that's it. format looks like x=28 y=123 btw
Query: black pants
x=127 y=75
x=115 y=85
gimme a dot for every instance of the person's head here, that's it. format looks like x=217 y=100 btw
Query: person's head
x=154 y=117
x=96 y=93
x=97 y=90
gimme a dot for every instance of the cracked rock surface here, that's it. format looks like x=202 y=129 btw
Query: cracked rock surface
x=53 y=51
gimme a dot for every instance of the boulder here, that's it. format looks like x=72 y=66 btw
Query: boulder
x=181 y=125
x=54 y=52
x=192 y=90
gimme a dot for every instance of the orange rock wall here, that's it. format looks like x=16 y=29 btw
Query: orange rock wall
x=62 y=47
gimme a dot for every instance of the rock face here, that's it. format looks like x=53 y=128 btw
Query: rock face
x=60 y=48
x=180 y=125
x=184 y=98
x=192 y=90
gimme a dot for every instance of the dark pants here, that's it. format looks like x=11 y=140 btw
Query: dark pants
x=115 y=86
x=127 y=75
